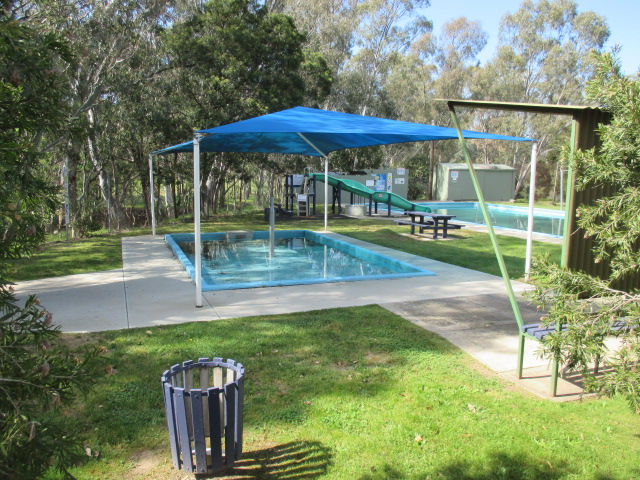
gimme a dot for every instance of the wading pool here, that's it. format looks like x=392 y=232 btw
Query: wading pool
x=232 y=260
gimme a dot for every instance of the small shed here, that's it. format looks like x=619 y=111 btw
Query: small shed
x=453 y=182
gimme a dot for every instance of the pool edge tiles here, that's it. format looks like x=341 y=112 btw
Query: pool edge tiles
x=408 y=270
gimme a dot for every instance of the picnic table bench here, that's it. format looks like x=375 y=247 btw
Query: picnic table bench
x=429 y=221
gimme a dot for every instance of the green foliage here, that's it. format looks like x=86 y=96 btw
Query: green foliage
x=588 y=306
x=31 y=104
x=235 y=60
x=38 y=376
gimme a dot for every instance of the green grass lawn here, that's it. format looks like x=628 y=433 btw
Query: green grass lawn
x=353 y=393
x=344 y=393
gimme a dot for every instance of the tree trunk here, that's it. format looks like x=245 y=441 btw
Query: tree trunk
x=522 y=176
x=73 y=159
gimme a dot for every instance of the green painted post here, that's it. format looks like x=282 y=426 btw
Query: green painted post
x=568 y=204
x=494 y=240
x=487 y=219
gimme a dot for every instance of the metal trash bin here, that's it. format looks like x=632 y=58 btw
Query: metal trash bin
x=203 y=402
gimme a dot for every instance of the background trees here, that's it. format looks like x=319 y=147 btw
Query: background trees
x=37 y=374
x=148 y=73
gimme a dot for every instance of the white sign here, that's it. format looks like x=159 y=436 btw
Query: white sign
x=399 y=181
x=401 y=171
x=370 y=183
x=454 y=176
x=297 y=180
x=389 y=181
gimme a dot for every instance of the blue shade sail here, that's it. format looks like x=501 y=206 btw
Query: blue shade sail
x=283 y=132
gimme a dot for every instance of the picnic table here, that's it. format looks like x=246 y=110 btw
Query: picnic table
x=429 y=221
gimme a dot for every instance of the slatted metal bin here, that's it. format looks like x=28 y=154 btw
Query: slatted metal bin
x=203 y=402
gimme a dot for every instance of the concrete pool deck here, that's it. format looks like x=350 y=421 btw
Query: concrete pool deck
x=469 y=308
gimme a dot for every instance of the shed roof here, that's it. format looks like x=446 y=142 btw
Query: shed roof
x=477 y=166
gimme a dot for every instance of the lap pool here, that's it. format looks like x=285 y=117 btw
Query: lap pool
x=545 y=221
x=233 y=260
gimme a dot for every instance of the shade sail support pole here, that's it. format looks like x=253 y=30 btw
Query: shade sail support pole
x=152 y=203
x=272 y=226
x=532 y=197
x=326 y=179
x=485 y=212
x=196 y=218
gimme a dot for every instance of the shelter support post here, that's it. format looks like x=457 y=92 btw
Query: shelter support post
x=532 y=197
x=570 y=199
x=152 y=204
x=196 y=218
x=272 y=226
x=492 y=234
x=326 y=194
x=326 y=180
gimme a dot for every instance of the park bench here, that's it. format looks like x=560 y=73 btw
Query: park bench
x=538 y=332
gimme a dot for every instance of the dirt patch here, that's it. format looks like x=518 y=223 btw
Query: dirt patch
x=74 y=341
x=154 y=464
x=378 y=359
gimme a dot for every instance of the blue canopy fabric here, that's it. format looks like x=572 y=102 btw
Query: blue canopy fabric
x=325 y=131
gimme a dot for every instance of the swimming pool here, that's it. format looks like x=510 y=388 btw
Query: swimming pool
x=545 y=221
x=301 y=257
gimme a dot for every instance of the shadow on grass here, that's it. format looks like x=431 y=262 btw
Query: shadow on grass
x=294 y=460
x=499 y=466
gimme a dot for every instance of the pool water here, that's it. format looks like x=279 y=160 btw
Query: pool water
x=547 y=222
x=300 y=257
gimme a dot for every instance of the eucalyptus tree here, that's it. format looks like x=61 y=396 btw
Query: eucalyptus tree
x=38 y=375
x=329 y=26
x=105 y=36
x=542 y=57
x=437 y=66
x=232 y=61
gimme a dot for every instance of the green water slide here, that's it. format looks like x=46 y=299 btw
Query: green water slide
x=365 y=192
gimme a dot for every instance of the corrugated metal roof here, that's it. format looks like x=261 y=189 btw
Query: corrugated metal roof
x=571 y=110
x=477 y=166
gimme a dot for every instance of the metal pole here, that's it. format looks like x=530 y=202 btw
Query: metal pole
x=152 y=194
x=532 y=195
x=569 y=200
x=272 y=226
x=561 y=187
x=485 y=212
x=326 y=194
x=326 y=180
x=196 y=218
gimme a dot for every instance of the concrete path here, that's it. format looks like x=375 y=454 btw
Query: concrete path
x=468 y=308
